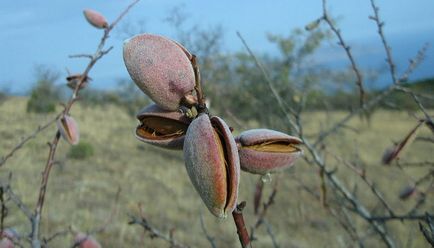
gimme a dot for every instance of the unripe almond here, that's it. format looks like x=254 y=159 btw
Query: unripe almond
x=161 y=68
x=212 y=163
x=86 y=241
x=162 y=127
x=265 y=151
x=68 y=128
x=95 y=19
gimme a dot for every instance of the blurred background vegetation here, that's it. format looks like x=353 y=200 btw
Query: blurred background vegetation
x=83 y=187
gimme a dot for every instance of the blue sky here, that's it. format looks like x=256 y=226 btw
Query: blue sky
x=45 y=32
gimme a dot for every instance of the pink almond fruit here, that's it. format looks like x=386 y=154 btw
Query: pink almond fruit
x=265 y=151
x=161 y=68
x=68 y=128
x=212 y=163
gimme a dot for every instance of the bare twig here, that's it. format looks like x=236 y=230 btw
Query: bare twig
x=88 y=56
x=18 y=202
x=397 y=217
x=387 y=48
x=342 y=43
x=374 y=101
x=154 y=232
x=208 y=237
x=261 y=215
x=243 y=235
x=271 y=234
x=414 y=164
x=371 y=185
x=26 y=139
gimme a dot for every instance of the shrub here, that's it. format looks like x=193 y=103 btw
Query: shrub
x=44 y=96
x=82 y=150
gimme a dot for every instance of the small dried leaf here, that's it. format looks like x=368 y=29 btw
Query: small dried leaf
x=392 y=153
x=95 y=19
x=407 y=192
x=68 y=128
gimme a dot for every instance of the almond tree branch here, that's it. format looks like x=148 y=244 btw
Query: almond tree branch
x=99 y=53
x=261 y=216
x=387 y=48
x=26 y=139
x=374 y=101
x=282 y=105
x=243 y=235
x=371 y=185
x=342 y=43
x=318 y=160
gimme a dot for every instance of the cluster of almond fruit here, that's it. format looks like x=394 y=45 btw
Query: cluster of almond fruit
x=167 y=72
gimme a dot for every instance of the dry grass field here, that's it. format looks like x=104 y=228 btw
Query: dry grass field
x=82 y=193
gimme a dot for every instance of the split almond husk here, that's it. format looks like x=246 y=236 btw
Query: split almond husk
x=212 y=163
x=161 y=127
x=68 y=128
x=265 y=151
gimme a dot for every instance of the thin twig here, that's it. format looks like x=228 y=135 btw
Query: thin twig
x=414 y=164
x=374 y=101
x=271 y=234
x=208 y=237
x=261 y=215
x=371 y=185
x=342 y=43
x=26 y=139
x=154 y=232
x=283 y=106
x=18 y=202
x=397 y=217
x=387 y=48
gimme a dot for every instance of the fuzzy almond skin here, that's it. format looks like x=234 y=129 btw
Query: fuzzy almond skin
x=263 y=162
x=7 y=237
x=204 y=161
x=86 y=241
x=176 y=117
x=160 y=68
x=68 y=128
x=257 y=162
x=95 y=19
